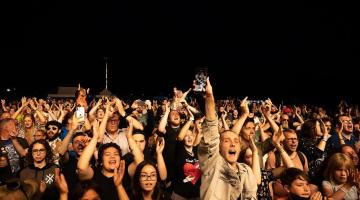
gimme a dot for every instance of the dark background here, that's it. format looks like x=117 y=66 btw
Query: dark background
x=291 y=51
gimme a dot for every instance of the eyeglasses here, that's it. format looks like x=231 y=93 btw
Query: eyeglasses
x=35 y=151
x=145 y=176
x=347 y=121
x=54 y=128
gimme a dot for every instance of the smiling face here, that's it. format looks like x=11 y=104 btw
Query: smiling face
x=230 y=146
x=189 y=139
x=148 y=178
x=291 y=141
x=348 y=125
x=28 y=122
x=174 y=118
x=52 y=131
x=111 y=159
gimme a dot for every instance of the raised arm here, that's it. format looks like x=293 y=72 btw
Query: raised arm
x=3 y=103
x=92 y=115
x=164 y=118
x=117 y=178
x=265 y=109
x=198 y=132
x=184 y=130
x=225 y=125
x=85 y=172
x=255 y=161
x=210 y=112
x=38 y=112
x=102 y=128
x=138 y=155
x=297 y=112
x=61 y=184
x=136 y=124
x=160 y=144
x=244 y=115
x=65 y=143
x=22 y=152
x=24 y=103
x=208 y=150
x=325 y=134
x=120 y=106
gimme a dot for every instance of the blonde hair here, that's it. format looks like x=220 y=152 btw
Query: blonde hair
x=337 y=161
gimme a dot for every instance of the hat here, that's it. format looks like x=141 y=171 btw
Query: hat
x=54 y=123
x=286 y=110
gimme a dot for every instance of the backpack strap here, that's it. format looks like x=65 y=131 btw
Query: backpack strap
x=278 y=158
x=301 y=157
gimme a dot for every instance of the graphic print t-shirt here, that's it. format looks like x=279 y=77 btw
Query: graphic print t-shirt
x=188 y=176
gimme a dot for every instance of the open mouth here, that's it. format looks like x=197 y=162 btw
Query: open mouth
x=112 y=162
x=232 y=152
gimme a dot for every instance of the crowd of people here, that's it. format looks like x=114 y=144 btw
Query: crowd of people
x=186 y=147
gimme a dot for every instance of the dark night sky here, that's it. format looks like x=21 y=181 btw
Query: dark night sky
x=290 y=45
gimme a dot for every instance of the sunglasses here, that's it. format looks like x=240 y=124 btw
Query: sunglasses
x=52 y=128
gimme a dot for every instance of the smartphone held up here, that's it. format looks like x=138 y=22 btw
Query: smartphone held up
x=201 y=75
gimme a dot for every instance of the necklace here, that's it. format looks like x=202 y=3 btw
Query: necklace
x=191 y=153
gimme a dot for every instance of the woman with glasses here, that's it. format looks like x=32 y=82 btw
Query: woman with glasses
x=146 y=184
x=41 y=168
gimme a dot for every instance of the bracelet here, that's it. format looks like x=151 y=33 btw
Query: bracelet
x=325 y=138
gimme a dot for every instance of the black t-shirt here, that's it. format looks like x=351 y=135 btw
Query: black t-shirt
x=69 y=171
x=169 y=150
x=107 y=186
x=187 y=179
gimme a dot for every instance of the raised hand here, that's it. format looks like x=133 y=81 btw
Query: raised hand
x=245 y=106
x=208 y=88
x=278 y=137
x=119 y=173
x=316 y=196
x=42 y=186
x=160 y=144
x=23 y=101
x=253 y=146
x=60 y=182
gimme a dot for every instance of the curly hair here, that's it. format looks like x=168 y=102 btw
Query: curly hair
x=49 y=154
